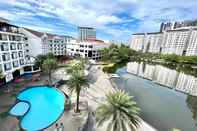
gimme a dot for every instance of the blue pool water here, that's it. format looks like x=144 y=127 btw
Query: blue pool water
x=46 y=105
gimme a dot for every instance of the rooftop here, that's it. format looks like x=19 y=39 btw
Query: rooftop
x=40 y=34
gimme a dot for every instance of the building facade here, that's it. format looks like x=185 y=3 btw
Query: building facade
x=153 y=42
x=176 y=41
x=86 y=49
x=137 y=41
x=192 y=43
x=86 y=33
x=12 y=51
x=57 y=45
x=177 y=24
x=41 y=43
x=180 y=41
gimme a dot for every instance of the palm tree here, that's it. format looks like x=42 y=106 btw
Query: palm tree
x=80 y=66
x=40 y=59
x=121 y=112
x=48 y=66
x=76 y=83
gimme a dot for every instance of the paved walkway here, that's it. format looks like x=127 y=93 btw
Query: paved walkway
x=95 y=95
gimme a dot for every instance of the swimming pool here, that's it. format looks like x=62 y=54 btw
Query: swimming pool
x=38 y=107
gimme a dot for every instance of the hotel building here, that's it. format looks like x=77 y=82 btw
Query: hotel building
x=179 y=41
x=153 y=42
x=42 y=43
x=86 y=49
x=86 y=33
x=177 y=24
x=192 y=44
x=137 y=41
x=175 y=41
x=12 y=51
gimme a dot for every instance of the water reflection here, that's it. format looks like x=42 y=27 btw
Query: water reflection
x=192 y=104
x=165 y=76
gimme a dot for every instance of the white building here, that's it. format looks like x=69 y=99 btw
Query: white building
x=153 y=42
x=37 y=42
x=192 y=44
x=175 y=41
x=12 y=51
x=137 y=41
x=57 y=45
x=86 y=49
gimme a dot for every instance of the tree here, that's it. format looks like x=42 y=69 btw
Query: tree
x=76 y=83
x=40 y=59
x=80 y=66
x=48 y=66
x=1 y=74
x=120 y=110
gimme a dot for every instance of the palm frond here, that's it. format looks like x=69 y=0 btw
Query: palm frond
x=121 y=109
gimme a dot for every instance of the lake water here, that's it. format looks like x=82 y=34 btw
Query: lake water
x=167 y=98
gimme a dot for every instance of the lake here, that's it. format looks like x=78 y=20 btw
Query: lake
x=167 y=98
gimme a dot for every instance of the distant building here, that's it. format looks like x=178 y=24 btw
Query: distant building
x=147 y=42
x=86 y=33
x=137 y=41
x=43 y=43
x=177 y=24
x=153 y=42
x=86 y=49
x=175 y=41
x=192 y=43
x=175 y=38
x=12 y=51
x=167 y=26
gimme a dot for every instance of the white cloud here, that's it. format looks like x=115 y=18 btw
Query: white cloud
x=103 y=14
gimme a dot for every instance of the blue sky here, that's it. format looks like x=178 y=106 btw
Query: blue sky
x=113 y=19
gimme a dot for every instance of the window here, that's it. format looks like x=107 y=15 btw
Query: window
x=7 y=66
x=19 y=46
x=13 y=46
x=90 y=46
x=20 y=54
x=81 y=45
x=14 y=55
x=3 y=37
x=12 y=38
x=6 y=56
x=4 y=47
x=81 y=50
x=27 y=68
x=22 y=62
x=15 y=64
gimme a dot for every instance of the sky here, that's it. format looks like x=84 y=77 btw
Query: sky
x=113 y=19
